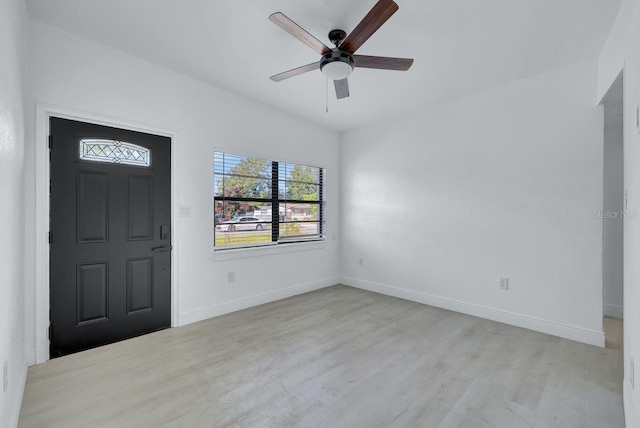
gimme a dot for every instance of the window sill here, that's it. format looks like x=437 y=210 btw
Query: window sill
x=267 y=250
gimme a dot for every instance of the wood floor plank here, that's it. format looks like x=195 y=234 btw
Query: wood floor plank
x=338 y=357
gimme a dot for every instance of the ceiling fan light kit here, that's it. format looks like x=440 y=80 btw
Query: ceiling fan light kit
x=338 y=63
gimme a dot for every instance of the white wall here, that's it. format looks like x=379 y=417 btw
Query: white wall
x=503 y=183
x=613 y=209
x=621 y=52
x=12 y=299
x=75 y=73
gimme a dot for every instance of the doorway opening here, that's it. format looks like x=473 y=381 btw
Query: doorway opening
x=614 y=211
x=41 y=310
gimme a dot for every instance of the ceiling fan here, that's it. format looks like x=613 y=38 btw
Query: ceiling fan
x=337 y=63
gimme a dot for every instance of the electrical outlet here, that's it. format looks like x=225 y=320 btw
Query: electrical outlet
x=361 y=262
x=632 y=374
x=504 y=284
x=5 y=376
x=231 y=277
x=185 y=211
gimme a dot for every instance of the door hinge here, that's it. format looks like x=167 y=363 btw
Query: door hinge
x=49 y=332
x=50 y=139
x=49 y=237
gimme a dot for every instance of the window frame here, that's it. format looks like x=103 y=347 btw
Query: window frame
x=276 y=201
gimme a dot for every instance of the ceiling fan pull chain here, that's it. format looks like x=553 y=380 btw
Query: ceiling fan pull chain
x=326 y=94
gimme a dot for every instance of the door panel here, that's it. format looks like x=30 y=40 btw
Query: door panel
x=92 y=202
x=93 y=292
x=139 y=285
x=110 y=198
x=140 y=208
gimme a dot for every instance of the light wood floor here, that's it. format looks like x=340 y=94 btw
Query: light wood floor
x=337 y=357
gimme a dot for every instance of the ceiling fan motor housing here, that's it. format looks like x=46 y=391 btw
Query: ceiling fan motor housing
x=337 y=36
x=337 y=64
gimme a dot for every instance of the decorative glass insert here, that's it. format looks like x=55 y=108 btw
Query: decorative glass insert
x=113 y=151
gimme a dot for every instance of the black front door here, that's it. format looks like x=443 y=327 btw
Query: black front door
x=110 y=235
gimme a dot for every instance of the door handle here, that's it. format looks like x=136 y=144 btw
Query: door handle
x=162 y=248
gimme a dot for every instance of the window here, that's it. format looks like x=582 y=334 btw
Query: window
x=263 y=202
x=113 y=151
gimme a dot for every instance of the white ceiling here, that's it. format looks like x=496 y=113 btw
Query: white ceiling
x=459 y=46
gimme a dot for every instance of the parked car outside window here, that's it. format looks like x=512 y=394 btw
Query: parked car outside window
x=240 y=223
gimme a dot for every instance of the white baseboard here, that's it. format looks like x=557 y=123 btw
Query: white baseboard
x=17 y=400
x=248 y=302
x=614 y=311
x=578 y=334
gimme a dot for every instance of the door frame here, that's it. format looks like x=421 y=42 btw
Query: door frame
x=42 y=210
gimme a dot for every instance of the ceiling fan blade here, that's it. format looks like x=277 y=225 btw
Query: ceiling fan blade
x=282 y=21
x=295 y=72
x=377 y=16
x=382 y=62
x=342 y=88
